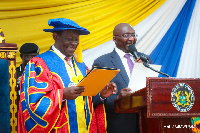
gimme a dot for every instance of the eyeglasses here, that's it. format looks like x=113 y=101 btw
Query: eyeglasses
x=126 y=35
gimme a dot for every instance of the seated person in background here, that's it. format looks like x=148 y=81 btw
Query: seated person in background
x=27 y=52
x=120 y=58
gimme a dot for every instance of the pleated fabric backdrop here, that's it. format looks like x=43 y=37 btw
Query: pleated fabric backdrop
x=170 y=35
x=24 y=20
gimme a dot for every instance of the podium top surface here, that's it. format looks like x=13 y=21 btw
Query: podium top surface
x=164 y=97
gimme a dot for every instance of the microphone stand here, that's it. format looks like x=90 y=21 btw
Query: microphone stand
x=147 y=65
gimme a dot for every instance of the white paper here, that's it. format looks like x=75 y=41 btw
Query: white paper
x=139 y=74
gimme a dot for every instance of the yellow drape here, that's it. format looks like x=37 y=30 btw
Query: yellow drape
x=24 y=20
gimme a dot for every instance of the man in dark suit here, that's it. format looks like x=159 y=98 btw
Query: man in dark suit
x=123 y=36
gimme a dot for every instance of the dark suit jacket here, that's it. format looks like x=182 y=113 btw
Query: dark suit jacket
x=122 y=122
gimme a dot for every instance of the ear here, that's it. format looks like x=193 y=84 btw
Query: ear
x=21 y=56
x=114 y=39
x=55 y=36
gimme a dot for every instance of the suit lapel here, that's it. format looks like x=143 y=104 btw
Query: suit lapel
x=116 y=61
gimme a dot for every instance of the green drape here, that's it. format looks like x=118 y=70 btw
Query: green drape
x=5 y=97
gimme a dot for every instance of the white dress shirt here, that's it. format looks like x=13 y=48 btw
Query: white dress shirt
x=124 y=60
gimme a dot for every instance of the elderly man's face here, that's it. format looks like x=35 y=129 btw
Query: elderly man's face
x=67 y=42
x=124 y=35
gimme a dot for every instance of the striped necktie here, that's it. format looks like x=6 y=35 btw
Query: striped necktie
x=68 y=60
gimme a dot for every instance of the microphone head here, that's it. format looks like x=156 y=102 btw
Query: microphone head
x=132 y=48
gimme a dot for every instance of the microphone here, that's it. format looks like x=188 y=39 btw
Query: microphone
x=133 y=51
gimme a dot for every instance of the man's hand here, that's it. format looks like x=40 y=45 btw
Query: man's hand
x=72 y=92
x=138 y=60
x=124 y=92
x=108 y=90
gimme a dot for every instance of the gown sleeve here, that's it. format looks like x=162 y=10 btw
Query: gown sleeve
x=40 y=99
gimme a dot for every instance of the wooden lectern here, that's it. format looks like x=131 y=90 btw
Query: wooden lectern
x=165 y=105
x=8 y=89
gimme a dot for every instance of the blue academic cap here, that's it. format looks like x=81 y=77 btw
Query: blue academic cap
x=65 y=24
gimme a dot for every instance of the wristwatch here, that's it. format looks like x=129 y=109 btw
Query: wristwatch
x=102 y=99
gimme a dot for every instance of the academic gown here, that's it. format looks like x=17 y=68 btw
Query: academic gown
x=42 y=108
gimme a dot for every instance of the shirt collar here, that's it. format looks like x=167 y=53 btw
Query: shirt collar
x=120 y=52
x=58 y=52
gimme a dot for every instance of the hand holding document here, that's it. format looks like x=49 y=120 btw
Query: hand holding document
x=97 y=79
x=139 y=74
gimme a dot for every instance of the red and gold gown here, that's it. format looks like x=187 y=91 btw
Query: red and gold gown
x=42 y=108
